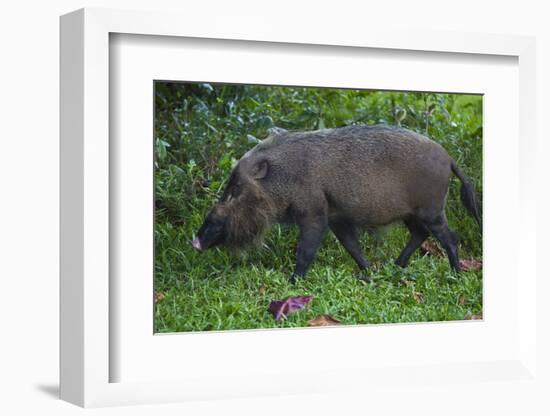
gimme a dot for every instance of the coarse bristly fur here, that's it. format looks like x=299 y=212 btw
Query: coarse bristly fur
x=248 y=217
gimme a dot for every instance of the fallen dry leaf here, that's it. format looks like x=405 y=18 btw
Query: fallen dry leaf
x=262 y=289
x=473 y=317
x=281 y=308
x=470 y=264
x=431 y=247
x=418 y=296
x=461 y=300
x=159 y=296
x=323 y=320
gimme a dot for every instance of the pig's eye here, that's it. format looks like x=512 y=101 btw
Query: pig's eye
x=235 y=191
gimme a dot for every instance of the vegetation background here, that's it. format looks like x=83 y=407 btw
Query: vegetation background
x=201 y=130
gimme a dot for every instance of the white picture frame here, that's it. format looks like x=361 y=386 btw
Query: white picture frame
x=86 y=356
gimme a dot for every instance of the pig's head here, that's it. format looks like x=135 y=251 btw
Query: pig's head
x=213 y=231
x=244 y=211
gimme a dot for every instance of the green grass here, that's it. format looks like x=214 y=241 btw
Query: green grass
x=217 y=290
x=201 y=131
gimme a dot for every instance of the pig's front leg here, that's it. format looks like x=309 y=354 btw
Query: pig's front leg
x=312 y=231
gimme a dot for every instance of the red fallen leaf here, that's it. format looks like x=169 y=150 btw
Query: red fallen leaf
x=431 y=247
x=470 y=264
x=281 y=308
x=323 y=320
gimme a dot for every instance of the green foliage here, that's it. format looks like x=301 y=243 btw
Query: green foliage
x=201 y=130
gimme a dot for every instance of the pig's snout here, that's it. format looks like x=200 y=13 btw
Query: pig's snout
x=196 y=243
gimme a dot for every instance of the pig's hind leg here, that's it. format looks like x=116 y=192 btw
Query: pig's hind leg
x=419 y=233
x=347 y=235
x=439 y=228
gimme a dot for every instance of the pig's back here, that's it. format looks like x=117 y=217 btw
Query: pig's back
x=385 y=175
x=368 y=175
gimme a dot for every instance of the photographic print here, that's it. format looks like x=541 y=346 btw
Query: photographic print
x=286 y=206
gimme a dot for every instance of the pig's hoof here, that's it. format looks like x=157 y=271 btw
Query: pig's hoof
x=400 y=263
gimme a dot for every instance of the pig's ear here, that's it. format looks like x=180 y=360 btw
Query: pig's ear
x=259 y=171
